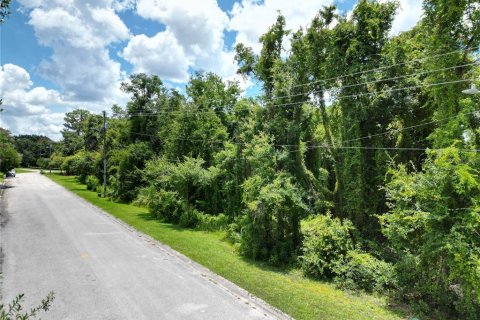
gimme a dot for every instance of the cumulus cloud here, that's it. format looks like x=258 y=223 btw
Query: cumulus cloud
x=84 y=76
x=408 y=14
x=27 y=109
x=160 y=54
x=251 y=18
x=80 y=33
x=193 y=39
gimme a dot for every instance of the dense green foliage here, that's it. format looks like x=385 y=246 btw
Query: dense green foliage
x=9 y=157
x=326 y=243
x=35 y=150
x=434 y=226
x=358 y=160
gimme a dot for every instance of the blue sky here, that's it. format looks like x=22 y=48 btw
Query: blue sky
x=57 y=55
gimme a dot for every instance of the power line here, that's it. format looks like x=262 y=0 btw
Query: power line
x=390 y=66
x=375 y=81
x=370 y=82
x=309 y=100
x=411 y=127
x=355 y=139
x=320 y=146
x=378 y=92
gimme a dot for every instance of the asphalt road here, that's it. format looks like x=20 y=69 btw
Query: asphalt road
x=99 y=268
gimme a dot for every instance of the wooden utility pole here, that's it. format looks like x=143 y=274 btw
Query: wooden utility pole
x=104 y=154
x=50 y=155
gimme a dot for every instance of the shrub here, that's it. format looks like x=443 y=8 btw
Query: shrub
x=175 y=190
x=271 y=226
x=213 y=223
x=433 y=226
x=80 y=164
x=92 y=183
x=55 y=161
x=165 y=205
x=130 y=175
x=233 y=232
x=326 y=242
x=362 y=271
x=190 y=218
x=10 y=157
x=42 y=163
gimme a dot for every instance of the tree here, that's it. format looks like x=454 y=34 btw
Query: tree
x=130 y=170
x=74 y=131
x=148 y=95
x=433 y=226
x=9 y=157
x=32 y=148
x=4 y=11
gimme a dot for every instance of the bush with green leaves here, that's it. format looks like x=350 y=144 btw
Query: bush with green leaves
x=175 y=190
x=10 y=159
x=15 y=311
x=81 y=164
x=130 y=171
x=166 y=205
x=190 y=217
x=55 y=161
x=434 y=225
x=362 y=271
x=212 y=223
x=326 y=243
x=69 y=165
x=43 y=163
x=271 y=226
x=92 y=183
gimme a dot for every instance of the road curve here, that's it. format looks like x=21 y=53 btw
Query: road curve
x=99 y=268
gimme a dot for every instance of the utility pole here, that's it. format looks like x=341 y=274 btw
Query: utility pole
x=104 y=154
x=50 y=152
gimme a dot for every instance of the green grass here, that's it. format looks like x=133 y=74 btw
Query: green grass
x=287 y=290
x=23 y=170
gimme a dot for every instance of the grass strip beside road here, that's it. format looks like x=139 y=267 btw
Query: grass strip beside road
x=24 y=170
x=286 y=290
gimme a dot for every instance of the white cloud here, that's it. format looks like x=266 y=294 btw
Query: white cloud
x=26 y=109
x=80 y=33
x=85 y=75
x=251 y=18
x=197 y=26
x=13 y=77
x=408 y=14
x=194 y=38
x=160 y=55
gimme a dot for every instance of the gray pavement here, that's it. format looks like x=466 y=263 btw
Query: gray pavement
x=99 y=268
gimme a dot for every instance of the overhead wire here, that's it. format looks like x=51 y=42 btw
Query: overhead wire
x=472 y=49
x=356 y=95
x=410 y=127
x=364 y=83
x=318 y=146
x=349 y=96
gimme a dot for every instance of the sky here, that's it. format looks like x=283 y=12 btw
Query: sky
x=59 y=55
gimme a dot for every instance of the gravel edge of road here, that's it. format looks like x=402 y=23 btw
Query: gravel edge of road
x=226 y=285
